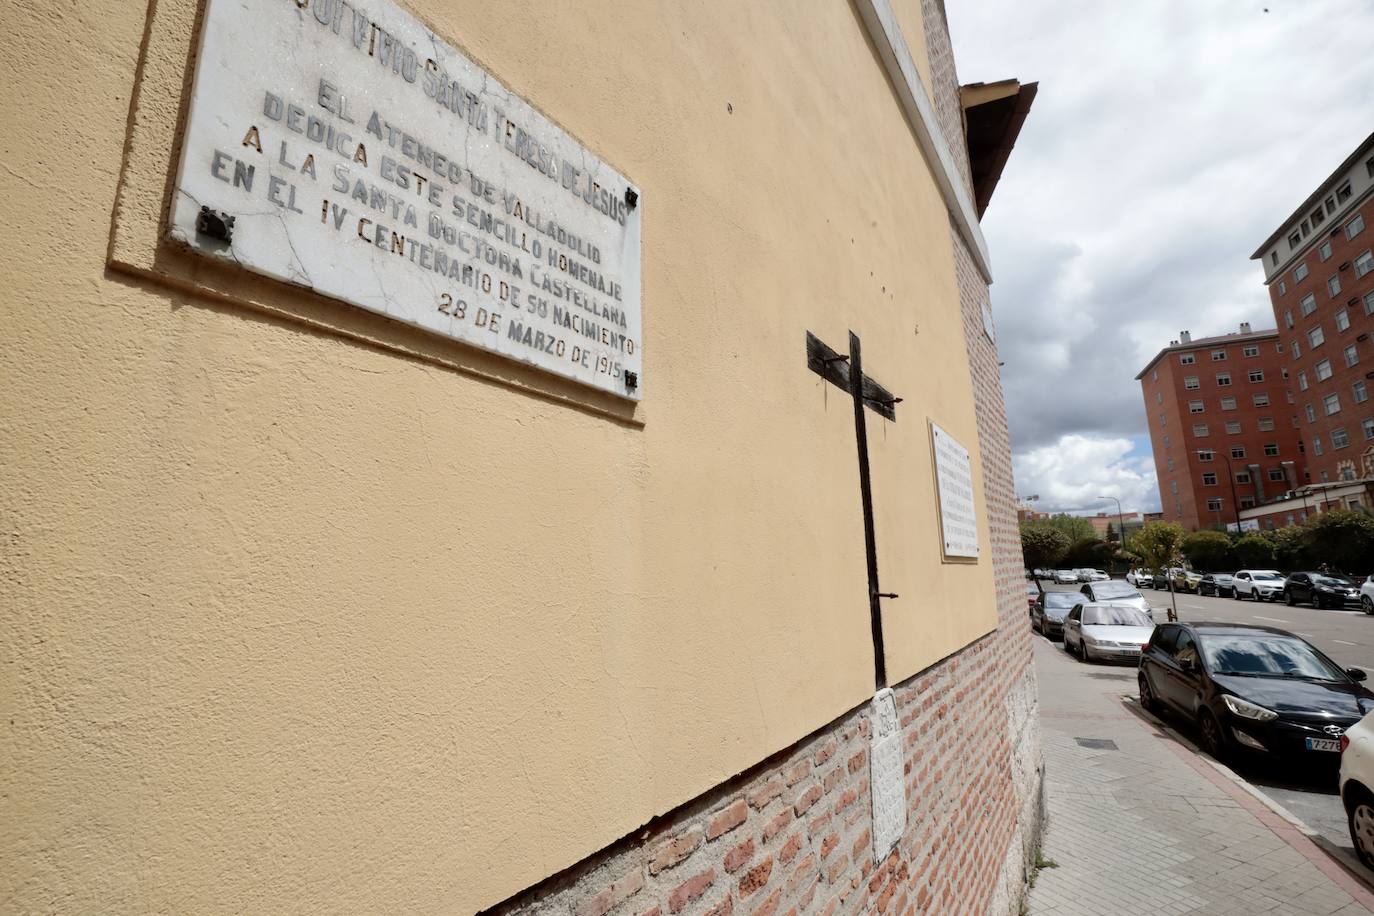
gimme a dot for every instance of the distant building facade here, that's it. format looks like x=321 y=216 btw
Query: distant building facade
x=1220 y=426
x=1319 y=269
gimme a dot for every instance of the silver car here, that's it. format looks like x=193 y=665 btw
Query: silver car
x=1115 y=591
x=1106 y=632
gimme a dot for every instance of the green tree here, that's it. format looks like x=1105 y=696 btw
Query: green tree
x=1073 y=527
x=1157 y=548
x=1290 y=548
x=1092 y=552
x=1254 y=551
x=1208 y=550
x=1041 y=545
x=1342 y=539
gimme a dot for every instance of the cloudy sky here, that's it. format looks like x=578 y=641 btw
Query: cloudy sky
x=1168 y=140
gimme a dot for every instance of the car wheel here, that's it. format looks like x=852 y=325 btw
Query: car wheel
x=1319 y=603
x=1360 y=817
x=1288 y=598
x=1213 y=738
x=1083 y=655
x=1367 y=604
x=1147 y=696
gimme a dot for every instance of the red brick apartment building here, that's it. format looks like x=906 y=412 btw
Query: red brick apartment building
x=1220 y=426
x=1319 y=268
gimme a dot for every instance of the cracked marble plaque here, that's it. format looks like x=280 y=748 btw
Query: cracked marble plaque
x=885 y=773
x=954 y=486
x=348 y=150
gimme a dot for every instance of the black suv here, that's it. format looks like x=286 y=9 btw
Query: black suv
x=1253 y=689
x=1321 y=590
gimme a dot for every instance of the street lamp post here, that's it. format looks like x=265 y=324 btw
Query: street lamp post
x=1120 y=520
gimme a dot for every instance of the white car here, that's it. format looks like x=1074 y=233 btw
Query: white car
x=1106 y=631
x=1140 y=577
x=1065 y=577
x=1357 y=786
x=1367 y=594
x=1117 y=592
x=1098 y=575
x=1259 y=584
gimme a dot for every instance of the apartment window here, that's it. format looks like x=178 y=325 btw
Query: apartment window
x=1315 y=337
x=1271 y=449
x=1199 y=429
x=1186 y=359
x=1228 y=403
x=1300 y=272
x=1166 y=441
x=1339 y=437
x=1342 y=321
x=1266 y=424
x=1364 y=264
x=1288 y=318
x=1159 y=397
x=1306 y=229
x=1218 y=355
x=1289 y=395
x=1154 y=376
x=1311 y=414
x=1170 y=464
x=1191 y=383
x=1368 y=427
x=1302 y=380
x=1233 y=428
x=1323 y=370
x=1163 y=420
x=1260 y=400
x=1308 y=303
x=1324 y=252
x=1247 y=502
x=1369 y=166
x=1237 y=451
x=1332 y=403
x=1213 y=505
x=1255 y=375
x=1294 y=240
x=1205 y=454
x=1317 y=445
x=1352 y=356
x=1173 y=487
x=1318 y=217
x=1251 y=350
x=1209 y=479
x=1277 y=475
x=1223 y=379
x=1369 y=303
x=1273 y=259
x=1297 y=350
x=1242 y=476
x=1361 y=392
x=1354 y=227
x=1343 y=192
x=1333 y=285
x=1325 y=476
x=1195 y=407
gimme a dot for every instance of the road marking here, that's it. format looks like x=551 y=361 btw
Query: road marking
x=1306 y=635
x=1275 y=619
x=1344 y=643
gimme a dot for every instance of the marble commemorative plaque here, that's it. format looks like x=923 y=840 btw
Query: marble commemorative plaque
x=347 y=149
x=954 y=485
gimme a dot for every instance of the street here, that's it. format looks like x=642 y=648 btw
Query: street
x=1347 y=636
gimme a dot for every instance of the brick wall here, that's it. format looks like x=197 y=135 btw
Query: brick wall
x=794 y=834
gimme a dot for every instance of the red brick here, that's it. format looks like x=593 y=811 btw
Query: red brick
x=829 y=843
x=602 y=903
x=756 y=877
x=790 y=850
x=827 y=751
x=652 y=911
x=727 y=819
x=861 y=844
x=724 y=908
x=690 y=890
x=770 y=904
x=819 y=824
x=675 y=850
x=777 y=824
x=738 y=856
x=762 y=795
x=837 y=868
x=832 y=779
x=856 y=763
x=847 y=798
x=807 y=799
x=797 y=772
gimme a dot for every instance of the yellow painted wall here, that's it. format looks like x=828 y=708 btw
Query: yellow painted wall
x=304 y=611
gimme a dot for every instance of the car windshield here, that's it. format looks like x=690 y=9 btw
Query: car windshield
x=1109 y=616
x=1115 y=590
x=1333 y=581
x=1267 y=576
x=1266 y=656
x=1062 y=599
x=1221 y=577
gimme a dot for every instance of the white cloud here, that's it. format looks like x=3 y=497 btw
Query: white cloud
x=1071 y=474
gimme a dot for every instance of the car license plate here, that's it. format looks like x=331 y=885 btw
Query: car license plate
x=1323 y=744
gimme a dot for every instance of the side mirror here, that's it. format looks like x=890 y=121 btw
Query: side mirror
x=1356 y=674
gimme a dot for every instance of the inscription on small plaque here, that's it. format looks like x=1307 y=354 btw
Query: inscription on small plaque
x=954 y=483
x=345 y=148
x=885 y=773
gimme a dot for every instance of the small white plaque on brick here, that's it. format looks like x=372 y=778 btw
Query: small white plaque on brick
x=885 y=778
x=954 y=484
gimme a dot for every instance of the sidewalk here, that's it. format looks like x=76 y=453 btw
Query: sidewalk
x=1149 y=827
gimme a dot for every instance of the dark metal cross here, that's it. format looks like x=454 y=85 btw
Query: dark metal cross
x=846 y=372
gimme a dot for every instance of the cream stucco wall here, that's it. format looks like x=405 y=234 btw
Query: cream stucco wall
x=305 y=611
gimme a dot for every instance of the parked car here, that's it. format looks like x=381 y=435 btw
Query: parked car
x=1219 y=585
x=1140 y=578
x=1065 y=576
x=1258 y=584
x=1320 y=590
x=1032 y=594
x=1253 y=689
x=1047 y=617
x=1106 y=631
x=1084 y=574
x=1367 y=594
x=1117 y=592
x=1185 y=580
x=1100 y=575
x=1357 y=786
